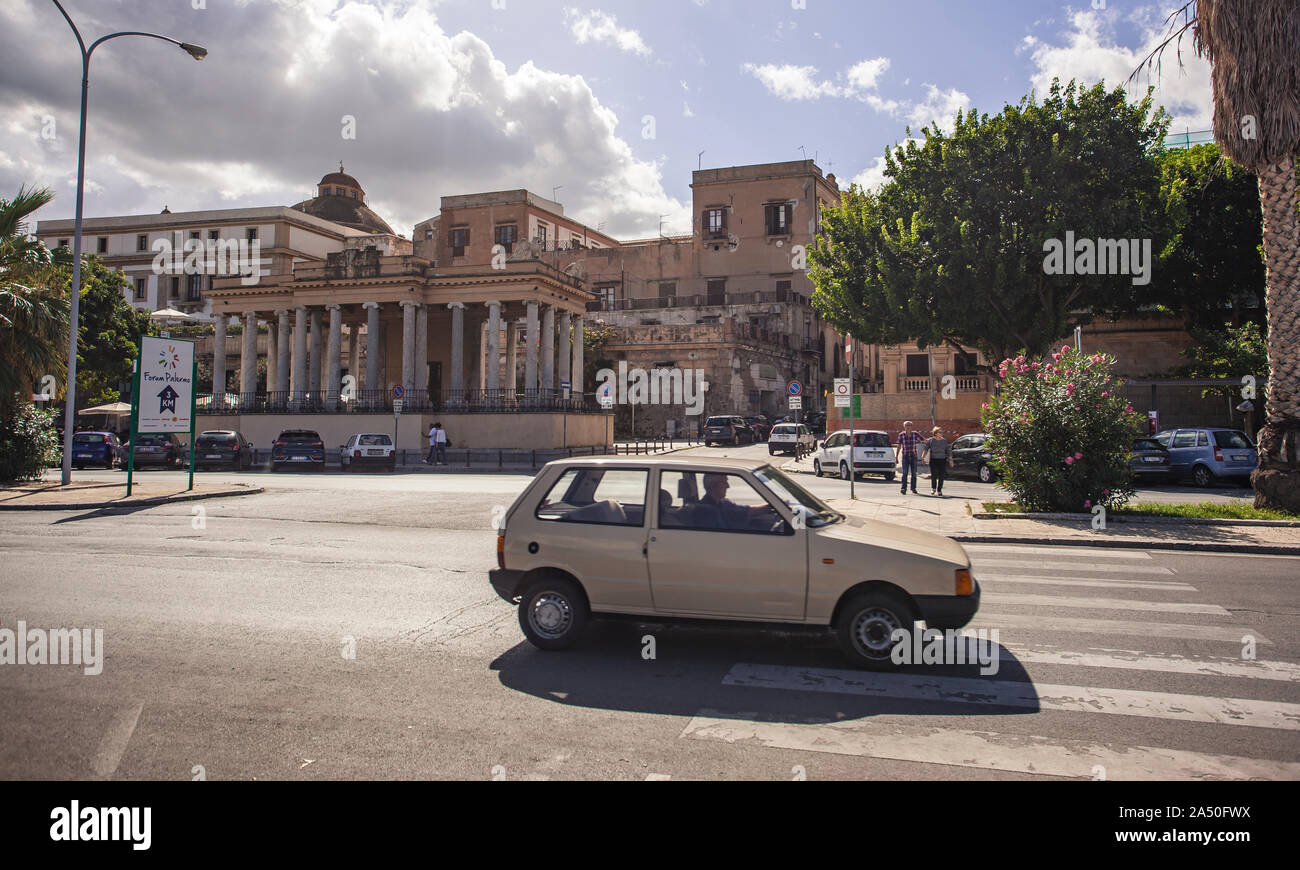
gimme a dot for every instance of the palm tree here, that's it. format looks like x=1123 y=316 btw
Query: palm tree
x=1255 y=73
x=33 y=317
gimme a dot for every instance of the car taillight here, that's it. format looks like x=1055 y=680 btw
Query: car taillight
x=356 y=452
x=106 y=440
x=235 y=449
x=501 y=549
x=318 y=444
x=279 y=444
x=1218 y=455
x=965 y=582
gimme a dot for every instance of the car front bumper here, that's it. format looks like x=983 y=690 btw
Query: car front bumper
x=949 y=611
x=506 y=583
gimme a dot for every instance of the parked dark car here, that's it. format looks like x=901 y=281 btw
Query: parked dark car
x=759 y=424
x=166 y=450
x=816 y=422
x=970 y=458
x=1150 y=460
x=223 y=448
x=727 y=430
x=299 y=447
x=1210 y=454
x=100 y=449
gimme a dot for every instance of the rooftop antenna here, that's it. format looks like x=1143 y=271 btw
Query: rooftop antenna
x=661 y=225
x=700 y=161
x=553 y=189
x=804 y=151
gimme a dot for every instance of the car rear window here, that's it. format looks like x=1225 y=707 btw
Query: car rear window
x=785 y=429
x=1147 y=444
x=299 y=437
x=870 y=439
x=216 y=439
x=718 y=421
x=153 y=440
x=374 y=441
x=88 y=438
x=1233 y=440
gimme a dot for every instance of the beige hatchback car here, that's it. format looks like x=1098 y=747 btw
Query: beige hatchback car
x=722 y=539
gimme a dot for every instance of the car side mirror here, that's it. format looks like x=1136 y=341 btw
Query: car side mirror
x=817 y=446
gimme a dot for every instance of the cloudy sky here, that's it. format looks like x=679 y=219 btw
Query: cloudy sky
x=611 y=103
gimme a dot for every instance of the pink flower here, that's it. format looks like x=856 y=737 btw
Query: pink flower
x=1034 y=366
x=1105 y=492
x=1069 y=460
x=1078 y=456
x=1056 y=356
x=1024 y=419
x=1065 y=348
x=1104 y=395
x=1087 y=503
x=1128 y=408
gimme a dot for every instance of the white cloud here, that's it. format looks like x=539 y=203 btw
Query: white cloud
x=863 y=75
x=1091 y=53
x=938 y=105
x=873 y=177
x=597 y=26
x=790 y=82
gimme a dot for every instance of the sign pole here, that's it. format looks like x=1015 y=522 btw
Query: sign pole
x=853 y=474
x=194 y=404
x=135 y=419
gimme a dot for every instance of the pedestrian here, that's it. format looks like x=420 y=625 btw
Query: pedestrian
x=909 y=442
x=433 y=443
x=936 y=451
x=440 y=443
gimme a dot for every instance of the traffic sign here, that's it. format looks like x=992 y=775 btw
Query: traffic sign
x=795 y=388
x=397 y=406
x=398 y=392
x=564 y=385
x=842 y=401
x=796 y=403
x=842 y=388
x=605 y=395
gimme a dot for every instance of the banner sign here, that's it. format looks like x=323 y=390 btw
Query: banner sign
x=166 y=396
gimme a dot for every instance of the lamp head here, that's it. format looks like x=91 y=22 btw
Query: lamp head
x=197 y=52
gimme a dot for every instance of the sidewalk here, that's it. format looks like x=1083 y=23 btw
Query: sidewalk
x=51 y=496
x=952 y=516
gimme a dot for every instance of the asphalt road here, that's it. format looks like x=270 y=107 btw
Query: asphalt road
x=225 y=632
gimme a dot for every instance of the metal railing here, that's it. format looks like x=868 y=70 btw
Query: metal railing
x=413 y=402
x=698 y=300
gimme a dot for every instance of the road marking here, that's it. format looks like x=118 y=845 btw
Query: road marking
x=1044 y=697
x=1167 y=585
x=1132 y=660
x=544 y=769
x=658 y=777
x=1104 y=603
x=984 y=749
x=1071 y=566
x=113 y=746
x=1092 y=552
x=1224 y=634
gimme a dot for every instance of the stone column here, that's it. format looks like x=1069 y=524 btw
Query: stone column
x=456 y=384
x=219 y=361
x=494 y=349
x=334 y=351
x=548 y=351
x=512 y=357
x=354 y=357
x=408 y=343
x=474 y=351
x=282 y=350
x=299 y=353
x=565 y=354
x=422 y=348
x=272 y=360
x=578 y=361
x=531 y=340
x=372 y=347
x=314 y=360
x=248 y=359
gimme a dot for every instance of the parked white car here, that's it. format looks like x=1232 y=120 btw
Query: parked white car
x=786 y=437
x=368 y=448
x=872 y=454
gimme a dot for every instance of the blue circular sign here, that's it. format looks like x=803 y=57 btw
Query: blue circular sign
x=398 y=392
x=796 y=388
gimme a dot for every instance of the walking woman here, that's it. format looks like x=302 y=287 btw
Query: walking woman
x=936 y=449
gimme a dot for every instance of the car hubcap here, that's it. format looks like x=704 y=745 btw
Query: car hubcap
x=817 y=468
x=1202 y=478
x=550 y=615
x=844 y=472
x=985 y=474
x=872 y=631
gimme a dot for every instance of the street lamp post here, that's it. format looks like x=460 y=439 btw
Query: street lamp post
x=70 y=393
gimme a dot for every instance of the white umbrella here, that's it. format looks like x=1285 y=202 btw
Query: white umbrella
x=170 y=314
x=112 y=409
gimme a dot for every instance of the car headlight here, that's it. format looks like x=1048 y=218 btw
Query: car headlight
x=965 y=582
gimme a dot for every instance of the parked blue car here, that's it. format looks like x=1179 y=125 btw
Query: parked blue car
x=1207 y=454
x=100 y=449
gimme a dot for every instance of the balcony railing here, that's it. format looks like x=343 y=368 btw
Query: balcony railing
x=698 y=299
x=916 y=385
x=413 y=402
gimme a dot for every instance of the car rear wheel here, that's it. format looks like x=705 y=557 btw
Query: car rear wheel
x=817 y=467
x=987 y=474
x=844 y=471
x=889 y=475
x=866 y=626
x=553 y=612
x=1202 y=476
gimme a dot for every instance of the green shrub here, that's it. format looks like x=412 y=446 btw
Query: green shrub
x=28 y=443
x=1060 y=433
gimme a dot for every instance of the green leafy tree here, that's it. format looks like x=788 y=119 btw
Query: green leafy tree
x=1227 y=353
x=33 y=314
x=1060 y=433
x=953 y=248
x=28 y=442
x=1212 y=268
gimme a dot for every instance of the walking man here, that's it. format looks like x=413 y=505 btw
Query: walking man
x=440 y=442
x=936 y=450
x=909 y=443
x=433 y=443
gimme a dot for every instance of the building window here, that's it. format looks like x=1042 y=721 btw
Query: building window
x=459 y=241
x=918 y=365
x=214 y=235
x=142 y=242
x=103 y=244
x=176 y=287
x=605 y=293
x=194 y=291
x=194 y=234
x=506 y=236
x=964 y=364
x=715 y=223
x=777 y=218
x=667 y=289
x=782 y=291
x=252 y=234
x=717 y=290
x=542 y=230
x=63 y=243
x=139 y=289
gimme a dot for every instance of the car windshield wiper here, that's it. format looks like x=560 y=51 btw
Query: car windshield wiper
x=831 y=516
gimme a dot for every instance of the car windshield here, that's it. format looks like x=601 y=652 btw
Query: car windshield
x=154 y=440
x=1147 y=444
x=794 y=495
x=375 y=441
x=718 y=421
x=870 y=439
x=784 y=430
x=216 y=439
x=88 y=438
x=1234 y=440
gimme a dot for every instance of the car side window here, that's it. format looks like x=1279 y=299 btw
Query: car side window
x=1185 y=438
x=1202 y=439
x=961 y=443
x=715 y=502
x=599 y=496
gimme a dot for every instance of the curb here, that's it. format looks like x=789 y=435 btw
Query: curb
x=1139 y=519
x=144 y=502
x=1134 y=544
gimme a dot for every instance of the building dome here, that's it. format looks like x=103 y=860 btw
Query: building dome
x=340 y=198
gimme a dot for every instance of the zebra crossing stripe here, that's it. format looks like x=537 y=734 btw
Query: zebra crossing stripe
x=1075 y=552
x=1132 y=660
x=1224 y=634
x=983 y=749
x=1097 y=582
x=1044 y=697
x=1078 y=565
x=1103 y=603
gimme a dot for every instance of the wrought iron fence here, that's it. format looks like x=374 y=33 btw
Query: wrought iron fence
x=503 y=401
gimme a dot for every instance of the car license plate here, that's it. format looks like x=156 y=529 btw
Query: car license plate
x=214 y=456
x=374 y=453
x=1241 y=457
x=82 y=455
x=1150 y=458
x=300 y=459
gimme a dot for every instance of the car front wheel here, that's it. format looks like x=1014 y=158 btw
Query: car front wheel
x=817 y=467
x=844 y=471
x=987 y=474
x=866 y=626
x=1202 y=476
x=553 y=612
